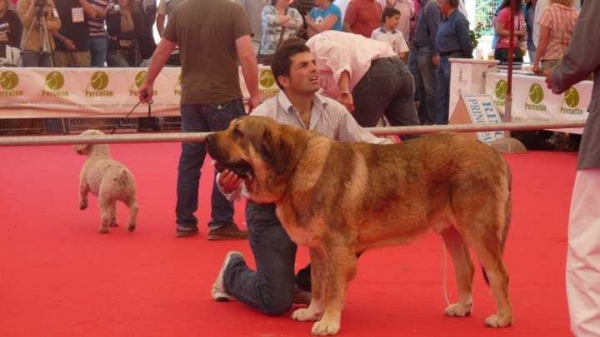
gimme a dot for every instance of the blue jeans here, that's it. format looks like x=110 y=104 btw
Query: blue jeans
x=98 y=48
x=270 y=288
x=443 y=81
x=428 y=78
x=116 y=60
x=202 y=118
x=387 y=89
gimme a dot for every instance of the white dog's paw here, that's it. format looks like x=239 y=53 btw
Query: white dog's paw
x=103 y=230
x=83 y=204
x=498 y=321
x=458 y=310
x=322 y=328
x=306 y=314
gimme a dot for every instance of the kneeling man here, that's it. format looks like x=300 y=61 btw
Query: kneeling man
x=270 y=288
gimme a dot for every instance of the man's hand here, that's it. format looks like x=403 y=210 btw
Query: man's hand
x=229 y=181
x=3 y=37
x=283 y=19
x=69 y=44
x=253 y=103
x=145 y=93
x=347 y=100
x=435 y=59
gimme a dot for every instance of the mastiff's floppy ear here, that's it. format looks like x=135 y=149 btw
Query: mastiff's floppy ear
x=275 y=149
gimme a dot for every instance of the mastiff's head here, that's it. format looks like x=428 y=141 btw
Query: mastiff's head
x=260 y=151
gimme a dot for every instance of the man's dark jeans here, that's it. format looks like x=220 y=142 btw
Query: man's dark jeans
x=443 y=78
x=419 y=88
x=431 y=94
x=270 y=288
x=202 y=118
x=386 y=89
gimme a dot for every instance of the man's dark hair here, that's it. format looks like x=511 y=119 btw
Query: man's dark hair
x=506 y=4
x=454 y=3
x=388 y=12
x=282 y=60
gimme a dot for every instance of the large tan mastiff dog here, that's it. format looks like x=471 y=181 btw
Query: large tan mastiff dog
x=340 y=199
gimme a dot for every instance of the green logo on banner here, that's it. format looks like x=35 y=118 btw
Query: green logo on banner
x=55 y=80
x=140 y=78
x=501 y=89
x=572 y=98
x=8 y=80
x=536 y=93
x=99 y=80
x=267 y=79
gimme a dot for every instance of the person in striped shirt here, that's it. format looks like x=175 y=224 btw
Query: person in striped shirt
x=98 y=38
x=557 y=23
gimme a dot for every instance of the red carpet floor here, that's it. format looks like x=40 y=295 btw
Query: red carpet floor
x=59 y=277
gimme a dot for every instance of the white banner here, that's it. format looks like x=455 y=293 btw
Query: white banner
x=97 y=92
x=532 y=100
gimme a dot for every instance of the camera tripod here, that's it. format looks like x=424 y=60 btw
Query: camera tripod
x=45 y=49
x=39 y=21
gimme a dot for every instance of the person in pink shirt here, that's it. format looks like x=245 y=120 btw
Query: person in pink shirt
x=365 y=75
x=503 y=31
x=362 y=17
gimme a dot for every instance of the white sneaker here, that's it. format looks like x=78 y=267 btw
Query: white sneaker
x=218 y=289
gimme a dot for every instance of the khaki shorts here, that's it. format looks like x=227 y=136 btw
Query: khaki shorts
x=64 y=59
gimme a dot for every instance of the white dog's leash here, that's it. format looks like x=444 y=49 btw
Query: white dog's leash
x=118 y=126
x=444 y=274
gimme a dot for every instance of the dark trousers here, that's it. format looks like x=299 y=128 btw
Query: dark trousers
x=270 y=288
x=387 y=89
x=443 y=80
x=502 y=55
x=428 y=77
x=202 y=118
x=419 y=89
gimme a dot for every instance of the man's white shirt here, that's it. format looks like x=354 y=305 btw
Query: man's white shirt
x=327 y=117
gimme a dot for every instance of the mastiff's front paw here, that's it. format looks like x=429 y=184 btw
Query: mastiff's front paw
x=306 y=314
x=323 y=328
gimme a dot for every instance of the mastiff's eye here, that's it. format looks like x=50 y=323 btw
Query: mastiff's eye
x=237 y=133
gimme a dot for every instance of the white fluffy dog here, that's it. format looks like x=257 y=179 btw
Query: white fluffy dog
x=108 y=180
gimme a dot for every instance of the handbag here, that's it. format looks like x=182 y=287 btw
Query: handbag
x=267 y=59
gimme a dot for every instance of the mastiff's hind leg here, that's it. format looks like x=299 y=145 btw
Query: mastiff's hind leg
x=464 y=270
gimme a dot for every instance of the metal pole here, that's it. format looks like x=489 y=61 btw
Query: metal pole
x=511 y=49
x=199 y=136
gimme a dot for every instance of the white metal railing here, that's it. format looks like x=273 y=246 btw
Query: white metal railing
x=199 y=136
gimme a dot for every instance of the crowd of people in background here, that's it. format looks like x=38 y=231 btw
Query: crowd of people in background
x=77 y=33
x=424 y=34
